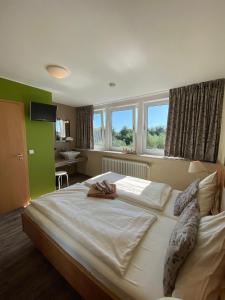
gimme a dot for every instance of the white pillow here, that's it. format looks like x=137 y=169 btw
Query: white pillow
x=203 y=271
x=206 y=194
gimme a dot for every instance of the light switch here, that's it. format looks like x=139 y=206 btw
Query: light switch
x=31 y=151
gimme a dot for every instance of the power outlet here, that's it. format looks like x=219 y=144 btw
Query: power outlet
x=31 y=151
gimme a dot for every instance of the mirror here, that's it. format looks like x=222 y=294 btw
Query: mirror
x=62 y=130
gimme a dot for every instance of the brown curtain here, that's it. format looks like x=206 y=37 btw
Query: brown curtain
x=84 y=127
x=194 y=121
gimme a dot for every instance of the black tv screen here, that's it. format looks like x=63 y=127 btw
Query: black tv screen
x=42 y=112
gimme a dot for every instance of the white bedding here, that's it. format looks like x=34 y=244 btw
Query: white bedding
x=144 y=276
x=169 y=207
x=111 y=229
x=142 y=192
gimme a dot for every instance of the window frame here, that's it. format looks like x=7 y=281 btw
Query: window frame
x=132 y=107
x=145 y=150
x=140 y=111
x=103 y=126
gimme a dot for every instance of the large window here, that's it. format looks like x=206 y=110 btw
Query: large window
x=99 y=129
x=140 y=127
x=155 y=127
x=123 y=128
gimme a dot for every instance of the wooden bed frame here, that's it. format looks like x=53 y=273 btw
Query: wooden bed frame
x=78 y=277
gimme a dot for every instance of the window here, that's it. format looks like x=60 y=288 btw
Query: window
x=140 y=126
x=99 y=129
x=155 y=127
x=122 y=128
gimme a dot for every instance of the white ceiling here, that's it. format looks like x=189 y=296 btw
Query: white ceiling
x=144 y=46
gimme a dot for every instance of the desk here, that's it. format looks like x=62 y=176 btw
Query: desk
x=63 y=162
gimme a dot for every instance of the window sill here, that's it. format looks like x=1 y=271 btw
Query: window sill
x=107 y=151
x=143 y=155
x=161 y=156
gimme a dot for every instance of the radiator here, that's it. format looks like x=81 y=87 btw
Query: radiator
x=126 y=167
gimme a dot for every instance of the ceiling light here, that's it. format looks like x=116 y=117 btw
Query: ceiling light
x=112 y=84
x=58 y=71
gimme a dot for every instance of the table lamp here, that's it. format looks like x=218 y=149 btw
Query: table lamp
x=197 y=167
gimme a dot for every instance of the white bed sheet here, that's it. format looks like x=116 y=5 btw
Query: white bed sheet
x=137 y=191
x=167 y=209
x=144 y=276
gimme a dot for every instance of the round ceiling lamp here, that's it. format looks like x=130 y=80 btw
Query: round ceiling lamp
x=58 y=72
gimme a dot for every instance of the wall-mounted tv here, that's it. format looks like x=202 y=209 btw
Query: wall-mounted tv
x=42 y=112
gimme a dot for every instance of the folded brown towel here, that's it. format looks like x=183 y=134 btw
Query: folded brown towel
x=99 y=187
x=108 y=186
x=103 y=186
x=94 y=192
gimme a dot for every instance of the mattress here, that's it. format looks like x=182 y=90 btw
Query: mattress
x=144 y=276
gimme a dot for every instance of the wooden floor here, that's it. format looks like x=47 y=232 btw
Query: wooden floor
x=75 y=178
x=24 y=273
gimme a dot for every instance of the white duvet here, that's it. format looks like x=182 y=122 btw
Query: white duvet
x=142 y=192
x=109 y=229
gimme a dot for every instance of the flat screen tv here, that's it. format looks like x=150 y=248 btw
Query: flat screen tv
x=42 y=112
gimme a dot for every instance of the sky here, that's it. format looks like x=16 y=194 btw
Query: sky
x=157 y=116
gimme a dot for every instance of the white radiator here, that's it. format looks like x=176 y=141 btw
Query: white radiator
x=126 y=167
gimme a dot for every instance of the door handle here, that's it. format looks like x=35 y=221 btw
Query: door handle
x=20 y=156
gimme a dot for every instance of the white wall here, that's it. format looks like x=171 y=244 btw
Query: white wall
x=221 y=155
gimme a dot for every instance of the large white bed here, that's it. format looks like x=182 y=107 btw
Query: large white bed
x=143 y=277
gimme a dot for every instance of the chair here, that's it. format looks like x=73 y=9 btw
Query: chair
x=60 y=175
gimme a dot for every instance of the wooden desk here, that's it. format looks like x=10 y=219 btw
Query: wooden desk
x=63 y=162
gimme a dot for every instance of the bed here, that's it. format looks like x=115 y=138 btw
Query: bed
x=89 y=274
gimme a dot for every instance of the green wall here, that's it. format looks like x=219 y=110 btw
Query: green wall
x=40 y=136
